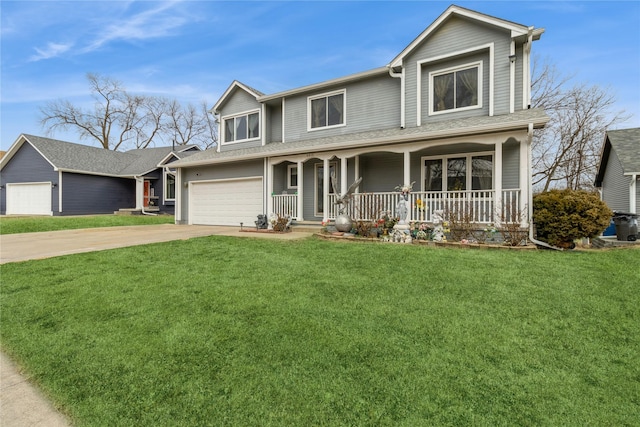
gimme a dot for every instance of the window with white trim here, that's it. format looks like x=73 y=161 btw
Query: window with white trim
x=458 y=172
x=326 y=110
x=169 y=185
x=242 y=127
x=456 y=89
x=292 y=176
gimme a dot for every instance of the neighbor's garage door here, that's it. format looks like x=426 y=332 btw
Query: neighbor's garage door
x=30 y=198
x=225 y=202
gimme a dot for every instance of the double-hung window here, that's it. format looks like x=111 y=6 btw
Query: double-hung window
x=242 y=127
x=326 y=110
x=456 y=89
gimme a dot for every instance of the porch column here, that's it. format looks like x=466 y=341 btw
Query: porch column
x=407 y=168
x=525 y=176
x=356 y=171
x=300 y=192
x=343 y=175
x=632 y=194
x=498 y=210
x=269 y=185
x=325 y=190
x=407 y=178
x=139 y=191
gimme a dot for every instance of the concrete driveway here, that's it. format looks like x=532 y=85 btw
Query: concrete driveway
x=28 y=246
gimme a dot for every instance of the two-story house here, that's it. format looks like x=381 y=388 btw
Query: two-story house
x=451 y=112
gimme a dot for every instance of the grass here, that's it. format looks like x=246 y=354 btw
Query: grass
x=250 y=332
x=30 y=224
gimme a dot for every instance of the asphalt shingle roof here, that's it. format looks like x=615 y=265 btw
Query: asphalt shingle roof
x=86 y=159
x=626 y=144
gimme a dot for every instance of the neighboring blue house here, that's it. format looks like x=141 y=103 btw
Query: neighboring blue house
x=43 y=176
x=451 y=112
x=619 y=170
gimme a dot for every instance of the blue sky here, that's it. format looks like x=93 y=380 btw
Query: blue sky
x=193 y=50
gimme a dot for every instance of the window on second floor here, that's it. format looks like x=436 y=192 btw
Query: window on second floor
x=327 y=110
x=242 y=127
x=456 y=89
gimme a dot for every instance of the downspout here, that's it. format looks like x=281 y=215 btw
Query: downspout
x=400 y=76
x=140 y=179
x=530 y=201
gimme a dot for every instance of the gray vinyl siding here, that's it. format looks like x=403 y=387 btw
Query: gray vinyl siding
x=615 y=185
x=483 y=58
x=93 y=194
x=458 y=34
x=371 y=104
x=27 y=165
x=511 y=165
x=274 y=124
x=381 y=172
x=238 y=103
x=245 y=169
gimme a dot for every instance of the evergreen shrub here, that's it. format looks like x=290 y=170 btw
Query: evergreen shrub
x=561 y=216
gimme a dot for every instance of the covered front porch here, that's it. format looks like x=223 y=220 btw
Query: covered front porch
x=482 y=179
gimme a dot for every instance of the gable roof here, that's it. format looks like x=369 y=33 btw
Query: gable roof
x=517 y=30
x=232 y=87
x=70 y=157
x=626 y=145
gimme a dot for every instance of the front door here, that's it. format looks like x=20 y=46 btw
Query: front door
x=319 y=186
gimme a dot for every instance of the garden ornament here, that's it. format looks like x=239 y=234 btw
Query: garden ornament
x=343 y=199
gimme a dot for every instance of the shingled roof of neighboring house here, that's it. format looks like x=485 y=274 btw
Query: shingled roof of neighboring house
x=71 y=157
x=626 y=144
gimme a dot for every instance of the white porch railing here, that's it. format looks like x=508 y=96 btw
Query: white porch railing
x=286 y=205
x=477 y=206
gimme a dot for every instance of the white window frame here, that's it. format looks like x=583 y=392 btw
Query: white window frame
x=236 y=116
x=326 y=95
x=290 y=169
x=164 y=184
x=432 y=74
x=469 y=169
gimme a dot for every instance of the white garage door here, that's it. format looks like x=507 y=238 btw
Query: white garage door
x=225 y=202
x=30 y=198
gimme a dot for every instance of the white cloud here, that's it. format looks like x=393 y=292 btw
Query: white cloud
x=149 y=24
x=51 y=51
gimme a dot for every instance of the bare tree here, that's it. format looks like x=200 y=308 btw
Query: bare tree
x=210 y=136
x=566 y=151
x=120 y=120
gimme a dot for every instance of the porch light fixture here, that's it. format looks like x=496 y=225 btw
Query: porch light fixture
x=512 y=58
x=54 y=185
x=2 y=187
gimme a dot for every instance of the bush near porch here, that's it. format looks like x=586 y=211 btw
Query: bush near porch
x=259 y=332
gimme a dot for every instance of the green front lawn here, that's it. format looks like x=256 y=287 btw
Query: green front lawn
x=252 y=332
x=30 y=224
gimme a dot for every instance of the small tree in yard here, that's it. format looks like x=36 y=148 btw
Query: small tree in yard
x=562 y=216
